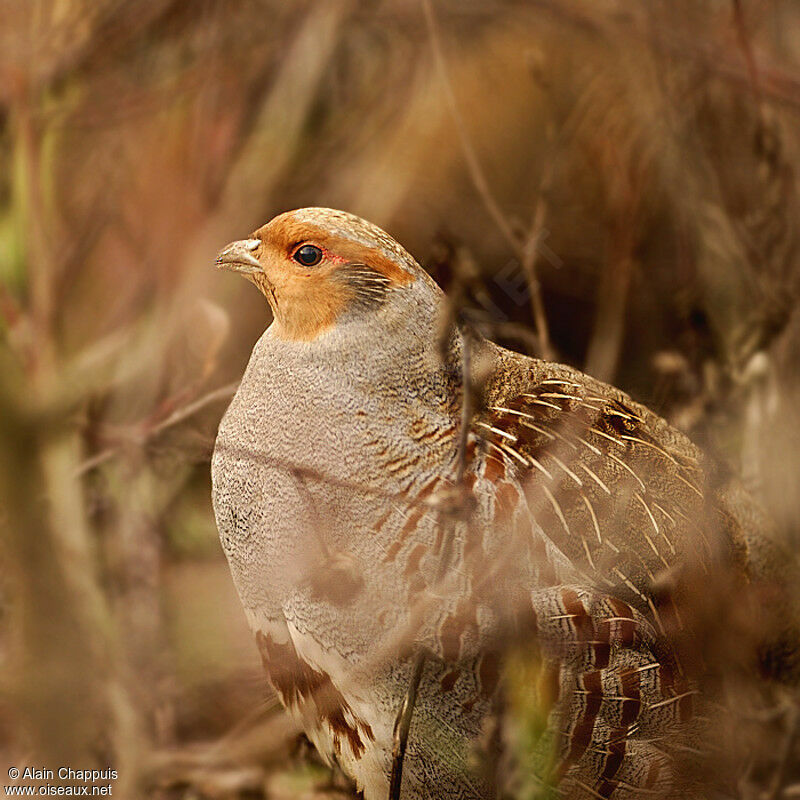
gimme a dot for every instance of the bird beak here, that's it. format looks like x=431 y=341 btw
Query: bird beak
x=238 y=256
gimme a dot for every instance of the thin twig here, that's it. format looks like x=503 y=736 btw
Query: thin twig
x=467 y=405
x=779 y=779
x=177 y=416
x=475 y=170
x=402 y=723
x=440 y=502
x=749 y=57
x=181 y=414
x=530 y=253
x=402 y=726
x=525 y=250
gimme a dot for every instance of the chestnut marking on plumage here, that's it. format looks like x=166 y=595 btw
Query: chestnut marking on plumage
x=298 y=682
x=570 y=475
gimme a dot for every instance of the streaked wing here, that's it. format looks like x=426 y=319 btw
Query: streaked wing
x=618 y=499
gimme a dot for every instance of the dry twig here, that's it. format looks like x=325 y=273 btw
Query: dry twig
x=525 y=249
x=403 y=721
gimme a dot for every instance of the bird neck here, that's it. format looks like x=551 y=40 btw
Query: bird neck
x=380 y=374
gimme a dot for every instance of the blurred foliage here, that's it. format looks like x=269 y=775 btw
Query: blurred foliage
x=615 y=179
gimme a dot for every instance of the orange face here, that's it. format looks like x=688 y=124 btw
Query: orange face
x=313 y=265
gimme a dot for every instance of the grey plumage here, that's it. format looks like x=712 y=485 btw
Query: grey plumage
x=329 y=477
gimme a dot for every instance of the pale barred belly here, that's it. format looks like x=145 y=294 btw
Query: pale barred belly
x=372 y=587
x=342 y=573
x=337 y=669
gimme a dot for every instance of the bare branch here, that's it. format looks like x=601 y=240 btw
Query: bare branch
x=176 y=417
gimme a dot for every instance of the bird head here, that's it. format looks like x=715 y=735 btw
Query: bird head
x=317 y=266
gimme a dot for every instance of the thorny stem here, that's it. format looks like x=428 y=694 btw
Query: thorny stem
x=402 y=723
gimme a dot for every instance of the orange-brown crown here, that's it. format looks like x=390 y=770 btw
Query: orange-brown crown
x=316 y=264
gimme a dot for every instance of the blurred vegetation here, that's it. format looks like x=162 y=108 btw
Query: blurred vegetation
x=612 y=184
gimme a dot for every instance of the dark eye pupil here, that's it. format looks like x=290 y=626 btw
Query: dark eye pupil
x=308 y=255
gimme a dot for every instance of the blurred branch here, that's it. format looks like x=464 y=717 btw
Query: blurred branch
x=777 y=84
x=603 y=353
x=147 y=432
x=278 y=124
x=258 y=743
x=608 y=330
x=402 y=726
x=402 y=723
x=747 y=51
x=64 y=617
x=29 y=197
x=781 y=775
x=530 y=254
x=525 y=249
x=470 y=156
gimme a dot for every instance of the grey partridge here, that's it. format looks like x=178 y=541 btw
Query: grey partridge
x=360 y=526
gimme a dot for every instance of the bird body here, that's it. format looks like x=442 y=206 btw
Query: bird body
x=336 y=472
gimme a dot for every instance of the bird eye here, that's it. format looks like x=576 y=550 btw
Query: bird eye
x=308 y=255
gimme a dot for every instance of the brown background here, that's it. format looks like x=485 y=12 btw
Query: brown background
x=627 y=166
